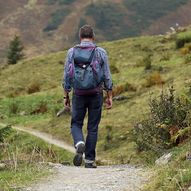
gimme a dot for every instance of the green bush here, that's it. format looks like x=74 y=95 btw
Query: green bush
x=145 y=62
x=165 y=125
x=33 y=87
x=57 y=19
x=13 y=107
x=187 y=59
x=15 y=51
x=61 y=2
x=153 y=79
x=182 y=39
x=4 y=133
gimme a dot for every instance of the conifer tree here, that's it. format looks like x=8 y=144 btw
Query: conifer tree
x=15 y=51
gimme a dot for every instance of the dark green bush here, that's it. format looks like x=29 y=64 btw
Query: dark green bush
x=187 y=59
x=15 y=51
x=168 y=110
x=182 y=39
x=57 y=19
x=149 y=136
x=13 y=107
x=61 y=2
x=4 y=133
x=164 y=127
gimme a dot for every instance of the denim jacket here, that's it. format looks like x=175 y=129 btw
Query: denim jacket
x=102 y=53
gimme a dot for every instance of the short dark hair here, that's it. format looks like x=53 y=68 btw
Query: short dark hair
x=86 y=31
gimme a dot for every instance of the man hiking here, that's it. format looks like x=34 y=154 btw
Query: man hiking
x=87 y=73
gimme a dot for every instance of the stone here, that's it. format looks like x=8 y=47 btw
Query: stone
x=2 y=165
x=164 y=159
x=120 y=98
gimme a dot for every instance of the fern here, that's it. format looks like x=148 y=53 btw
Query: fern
x=182 y=134
x=5 y=132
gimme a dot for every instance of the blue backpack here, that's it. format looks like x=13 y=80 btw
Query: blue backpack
x=86 y=72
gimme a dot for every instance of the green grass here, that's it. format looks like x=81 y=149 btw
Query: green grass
x=174 y=176
x=128 y=57
x=125 y=55
x=27 y=151
x=15 y=180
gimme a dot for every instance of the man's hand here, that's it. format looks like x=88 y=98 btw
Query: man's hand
x=66 y=100
x=109 y=101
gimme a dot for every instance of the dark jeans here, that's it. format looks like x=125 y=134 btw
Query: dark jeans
x=80 y=105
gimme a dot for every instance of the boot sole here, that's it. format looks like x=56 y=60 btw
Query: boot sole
x=77 y=161
x=78 y=158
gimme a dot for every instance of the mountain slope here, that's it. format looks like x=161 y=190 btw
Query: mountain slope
x=132 y=79
x=31 y=95
x=51 y=25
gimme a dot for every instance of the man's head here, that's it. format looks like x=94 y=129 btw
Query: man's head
x=86 y=32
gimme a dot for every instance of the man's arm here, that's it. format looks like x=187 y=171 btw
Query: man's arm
x=107 y=79
x=66 y=82
x=109 y=100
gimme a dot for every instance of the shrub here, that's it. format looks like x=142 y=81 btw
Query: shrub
x=114 y=69
x=61 y=2
x=41 y=108
x=117 y=90
x=184 y=51
x=13 y=108
x=187 y=59
x=4 y=133
x=15 y=51
x=168 y=110
x=148 y=136
x=33 y=87
x=146 y=61
x=166 y=124
x=165 y=56
x=182 y=39
x=154 y=78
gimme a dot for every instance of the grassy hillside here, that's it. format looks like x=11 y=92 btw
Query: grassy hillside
x=31 y=93
x=22 y=156
x=51 y=25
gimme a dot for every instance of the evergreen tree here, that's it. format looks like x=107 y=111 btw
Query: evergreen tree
x=15 y=51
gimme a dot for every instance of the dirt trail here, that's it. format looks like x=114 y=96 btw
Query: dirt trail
x=104 y=178
x=46 y=137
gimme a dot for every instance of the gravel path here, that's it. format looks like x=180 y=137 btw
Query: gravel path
x=104 y=178
x=44 y=136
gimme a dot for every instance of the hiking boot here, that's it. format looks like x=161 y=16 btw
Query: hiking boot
x=90 y=165
x=80 y=148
